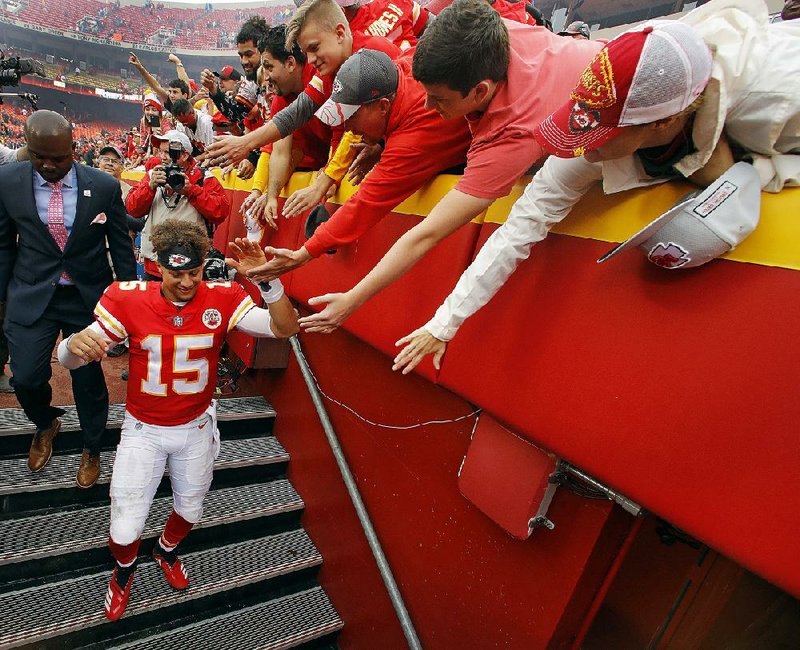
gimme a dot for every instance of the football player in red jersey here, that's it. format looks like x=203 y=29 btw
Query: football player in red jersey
x=175 y=330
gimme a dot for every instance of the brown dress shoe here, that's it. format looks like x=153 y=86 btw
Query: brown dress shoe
x=89 y=470
x=42 y=446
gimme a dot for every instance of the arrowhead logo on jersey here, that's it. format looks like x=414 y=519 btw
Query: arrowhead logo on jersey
x=212 y=319
x=176 y=259
x=177 y=321
x=669 y=256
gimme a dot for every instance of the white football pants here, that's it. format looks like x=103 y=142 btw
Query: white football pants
x=144 y=450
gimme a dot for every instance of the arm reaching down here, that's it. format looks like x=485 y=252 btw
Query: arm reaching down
x=453 y=211
x=547 y=199
x=229 y=149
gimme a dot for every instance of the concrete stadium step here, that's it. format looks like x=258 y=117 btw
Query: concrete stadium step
x=281 y=623
x=71 y=531
x=34 y=615
x=14 y=422
x=15 y=477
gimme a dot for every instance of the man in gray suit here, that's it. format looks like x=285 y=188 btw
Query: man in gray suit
x=58 y=222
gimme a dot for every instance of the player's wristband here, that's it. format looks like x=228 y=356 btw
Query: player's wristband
x=271 y=291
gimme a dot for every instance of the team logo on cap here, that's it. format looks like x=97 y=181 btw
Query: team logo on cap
x=669 y=256
x=176 y=259
x=596 y=87
x=582 y=119
x=212 y=319
x=337 y=86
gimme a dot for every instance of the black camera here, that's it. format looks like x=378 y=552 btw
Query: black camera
x=12 y=69
x=175 y=176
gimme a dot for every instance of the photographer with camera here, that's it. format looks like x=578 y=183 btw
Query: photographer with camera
x=176 y=188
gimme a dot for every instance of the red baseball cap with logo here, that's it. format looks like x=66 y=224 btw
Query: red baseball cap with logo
x=229 y=73
x=646 y=74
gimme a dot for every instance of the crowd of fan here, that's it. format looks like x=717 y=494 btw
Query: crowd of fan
x=152 y=23
x=90 y=135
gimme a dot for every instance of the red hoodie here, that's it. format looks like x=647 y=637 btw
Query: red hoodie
x=419 y=145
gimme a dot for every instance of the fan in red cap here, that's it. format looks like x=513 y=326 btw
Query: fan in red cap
x=607 y=99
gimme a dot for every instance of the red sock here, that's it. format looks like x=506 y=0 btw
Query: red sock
x=176 y=529
x=126 y=554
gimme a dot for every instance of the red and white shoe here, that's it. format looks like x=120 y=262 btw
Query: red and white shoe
x=174 y=572
x=117 y=596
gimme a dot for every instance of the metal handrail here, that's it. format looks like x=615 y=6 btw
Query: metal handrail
x=355 y=496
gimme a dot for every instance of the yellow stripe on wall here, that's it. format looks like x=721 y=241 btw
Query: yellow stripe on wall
x=612 y=218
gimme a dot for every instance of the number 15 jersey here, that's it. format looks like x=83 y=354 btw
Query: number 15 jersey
x=173 y=350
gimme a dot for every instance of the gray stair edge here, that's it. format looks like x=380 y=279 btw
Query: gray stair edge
x=143 y=603
x=295 y=638
x=65 y=478
x=69 y=421
x=99 y=539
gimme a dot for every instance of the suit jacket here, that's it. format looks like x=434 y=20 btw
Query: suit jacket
x=31 y=261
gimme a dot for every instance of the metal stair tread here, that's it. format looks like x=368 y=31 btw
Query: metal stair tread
x=77 y=603
x=14 y=421
x=15 y=477
x=281 y=623
x=62 y=532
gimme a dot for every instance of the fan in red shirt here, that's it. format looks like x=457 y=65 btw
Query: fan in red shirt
x=175 y=330
x=400 y=21
x=307 y=148
x=379 y=99
x=321 y=29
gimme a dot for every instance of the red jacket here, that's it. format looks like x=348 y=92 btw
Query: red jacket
x=419 y=145
x=210 y=199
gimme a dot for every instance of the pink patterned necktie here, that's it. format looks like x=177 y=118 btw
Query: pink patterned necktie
x=55 y=218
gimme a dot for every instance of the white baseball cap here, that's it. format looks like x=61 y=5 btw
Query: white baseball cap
x=175 y=136
x=703 y=226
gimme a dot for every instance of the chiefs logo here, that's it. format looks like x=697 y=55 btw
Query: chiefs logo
x=176 y=259
x=581 y=119
x=669 y=256
x=212 y=319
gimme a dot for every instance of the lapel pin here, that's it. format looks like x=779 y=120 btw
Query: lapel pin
x=87 y=192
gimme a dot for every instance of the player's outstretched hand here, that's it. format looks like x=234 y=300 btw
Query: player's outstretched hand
x=283 y=260
x=88 y=345
x=249 y=254
x=226 y=150
x=418 y=345
x=338 y=306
